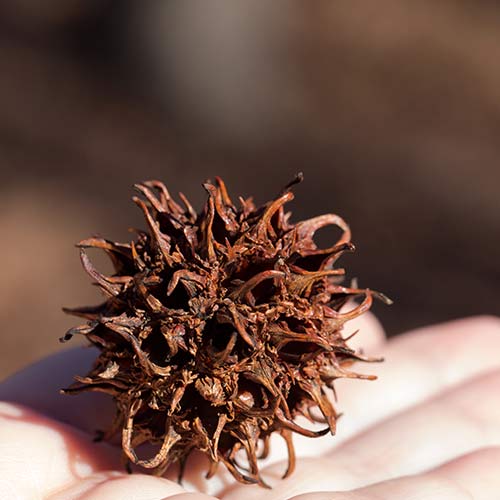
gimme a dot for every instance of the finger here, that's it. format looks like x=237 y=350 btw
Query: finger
x=462 y=419
x=417 y=366
x=475 y=473
x=119 y=486
x=473 y=476
x=38 y=387
x=40 y=456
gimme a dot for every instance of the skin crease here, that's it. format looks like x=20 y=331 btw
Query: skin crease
x=439 y=381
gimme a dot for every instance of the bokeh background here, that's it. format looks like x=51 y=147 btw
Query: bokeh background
x=390 y=108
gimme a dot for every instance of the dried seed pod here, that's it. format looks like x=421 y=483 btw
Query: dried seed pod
x=218 y=329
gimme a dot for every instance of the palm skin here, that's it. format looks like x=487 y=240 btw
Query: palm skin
x=428 y=428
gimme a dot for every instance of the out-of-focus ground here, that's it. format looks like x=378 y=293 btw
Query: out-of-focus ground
x=390 y=108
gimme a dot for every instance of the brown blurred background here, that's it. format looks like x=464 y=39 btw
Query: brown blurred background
x=390 y=108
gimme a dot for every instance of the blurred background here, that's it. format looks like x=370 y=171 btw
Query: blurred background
x=390 y=108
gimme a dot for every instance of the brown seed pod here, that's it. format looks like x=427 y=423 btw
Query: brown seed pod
x=218 y=329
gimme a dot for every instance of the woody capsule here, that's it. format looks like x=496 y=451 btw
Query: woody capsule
x=218 y=329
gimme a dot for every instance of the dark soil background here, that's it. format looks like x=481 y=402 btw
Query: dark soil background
x=390 y=108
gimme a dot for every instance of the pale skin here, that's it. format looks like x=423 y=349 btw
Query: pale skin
x=428 y=428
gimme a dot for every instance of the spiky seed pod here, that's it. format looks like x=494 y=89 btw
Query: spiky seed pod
x=218 y=329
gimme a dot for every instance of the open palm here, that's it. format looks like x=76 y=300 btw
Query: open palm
x=428 y=428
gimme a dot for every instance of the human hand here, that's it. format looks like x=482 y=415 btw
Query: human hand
x=428 y=428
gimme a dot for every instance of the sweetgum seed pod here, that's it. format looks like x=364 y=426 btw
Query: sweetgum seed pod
x=218 y=329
